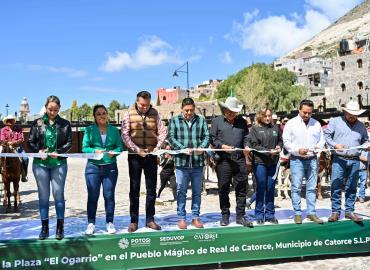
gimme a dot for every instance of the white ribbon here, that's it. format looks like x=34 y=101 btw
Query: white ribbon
x=98 y=156
x=95 y=156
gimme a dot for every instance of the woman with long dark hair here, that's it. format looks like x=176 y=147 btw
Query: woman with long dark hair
x=265 y=137
x=101 y=137
x=51 y=134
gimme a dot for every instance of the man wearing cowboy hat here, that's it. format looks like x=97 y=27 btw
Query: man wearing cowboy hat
x=229 y=131
x=345 y=134
x=13 y=136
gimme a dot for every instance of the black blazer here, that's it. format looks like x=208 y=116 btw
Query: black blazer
x=36 y=141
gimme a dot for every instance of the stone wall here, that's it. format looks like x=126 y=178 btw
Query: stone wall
x=350 y=79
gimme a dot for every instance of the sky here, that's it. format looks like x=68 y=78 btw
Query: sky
x=95 y=51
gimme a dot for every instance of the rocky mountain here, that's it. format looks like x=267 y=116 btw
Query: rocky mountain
x=355 y=25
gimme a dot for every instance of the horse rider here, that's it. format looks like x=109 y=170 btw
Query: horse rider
x=13 y=136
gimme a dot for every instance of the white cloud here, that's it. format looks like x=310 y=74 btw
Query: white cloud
x=333 y=9
x=277 y=35
x=70 y=72
x=151 y=52
x=97 y=89
x=226 y=58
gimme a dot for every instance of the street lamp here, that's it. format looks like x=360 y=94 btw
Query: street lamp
x=7 y=109
x=180 y=69
x=367 y=95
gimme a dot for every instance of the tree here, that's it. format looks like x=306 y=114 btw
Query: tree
x=86 y=111
x=75 y=113
x=260 y=85
x=250 y=91
x=113 y=106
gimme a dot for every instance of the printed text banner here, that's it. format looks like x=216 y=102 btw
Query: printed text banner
x=190 y=247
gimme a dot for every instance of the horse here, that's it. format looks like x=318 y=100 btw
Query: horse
x=283 y=177
x=325 y=165
x=167 y=176
x=11 y=170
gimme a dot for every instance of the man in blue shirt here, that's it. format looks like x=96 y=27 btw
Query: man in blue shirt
x=361 y=192
x=345 y=134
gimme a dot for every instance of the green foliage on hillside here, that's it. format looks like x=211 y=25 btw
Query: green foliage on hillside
x=260 y=85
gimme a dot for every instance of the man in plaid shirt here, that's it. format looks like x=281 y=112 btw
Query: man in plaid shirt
x=189 y=131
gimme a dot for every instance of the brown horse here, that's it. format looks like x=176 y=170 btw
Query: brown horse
x=11 y=173
x=324 y=163
x=283 y=177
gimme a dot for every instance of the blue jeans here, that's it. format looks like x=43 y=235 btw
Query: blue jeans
x=361 y=192
x=96 y=176
x=55 y=176
x=265 y=193
x=183 y=176
x=348 y=169
x=300 y=168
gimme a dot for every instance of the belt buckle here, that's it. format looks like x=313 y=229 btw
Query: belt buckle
x=234 y=156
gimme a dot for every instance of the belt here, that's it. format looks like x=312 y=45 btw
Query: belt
x=232 y=156
x=349 y=157
x=301 y=157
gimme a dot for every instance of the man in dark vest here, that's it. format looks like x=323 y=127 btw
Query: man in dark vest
x=142 y=132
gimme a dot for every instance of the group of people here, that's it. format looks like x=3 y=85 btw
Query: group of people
x=143 y=133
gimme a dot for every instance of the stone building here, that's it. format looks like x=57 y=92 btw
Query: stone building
x=24 y=110
x=170 y=95
x=205 y=89
x=313 y=72
x=340 y=78
x=351 y=78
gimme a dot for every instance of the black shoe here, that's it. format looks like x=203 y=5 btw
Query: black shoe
x=273 y=220
x=225 y=220
x=59 y=234
x=44 y=229
x=244 y=222
x=260 y=222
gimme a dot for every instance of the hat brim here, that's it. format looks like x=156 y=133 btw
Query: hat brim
x=233 y=109
x=8 y=119
x=354 y=112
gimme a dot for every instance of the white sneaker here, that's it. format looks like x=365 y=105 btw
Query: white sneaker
x=110 y=228
x=90 y=229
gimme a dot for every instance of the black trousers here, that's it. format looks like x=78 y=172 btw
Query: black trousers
x=227 y=170
x=137 y=164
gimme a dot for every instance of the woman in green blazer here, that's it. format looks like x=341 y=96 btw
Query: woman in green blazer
x=104 y=138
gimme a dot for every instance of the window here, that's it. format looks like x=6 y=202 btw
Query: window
x=359 y=63
x=164 y=97
x=360 y=85
x=343 y=87
x=343 y=65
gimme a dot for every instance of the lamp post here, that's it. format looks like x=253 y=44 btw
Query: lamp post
x=367 y=95
x=7 y=109
x=180 y=69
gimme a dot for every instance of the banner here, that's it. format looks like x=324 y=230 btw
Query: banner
x=187 y=247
